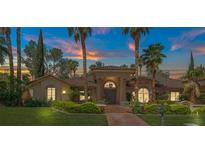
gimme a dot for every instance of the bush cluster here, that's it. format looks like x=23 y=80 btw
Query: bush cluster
x=36 y=103
x=8 y=98
x=88 y=107
x=154 y=108
x=179 y=109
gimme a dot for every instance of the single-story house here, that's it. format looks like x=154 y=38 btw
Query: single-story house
x=108 y=83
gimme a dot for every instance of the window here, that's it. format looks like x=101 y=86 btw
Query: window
x=109 y=84
x=82 y=96
x=51 y=93
x=143 y=95
x=174 y=96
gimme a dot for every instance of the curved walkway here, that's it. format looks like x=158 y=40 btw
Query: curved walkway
x=122 y=116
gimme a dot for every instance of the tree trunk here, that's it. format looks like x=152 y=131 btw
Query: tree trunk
x=154 y=86
x=18 y=53
x=140 y=71
x=18 y=35
x=85 y=69
x=193 y=97
x=10 y=55
x=136 y=65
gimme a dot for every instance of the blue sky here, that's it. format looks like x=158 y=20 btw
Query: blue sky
x=111 y=47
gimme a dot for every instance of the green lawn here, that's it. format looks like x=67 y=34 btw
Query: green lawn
x=45 y=116
x=174 y=120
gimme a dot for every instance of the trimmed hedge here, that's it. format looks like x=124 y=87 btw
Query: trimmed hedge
x=155 y=108
x=179 y=109
x=72 y=107
x=164 y=102
x=36 y=103
x=199 y=110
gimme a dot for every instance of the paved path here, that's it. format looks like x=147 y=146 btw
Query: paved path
x=122 y=116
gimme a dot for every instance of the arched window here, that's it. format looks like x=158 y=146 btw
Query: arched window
x=109 y=84
x=143 y=95
x=51 y=93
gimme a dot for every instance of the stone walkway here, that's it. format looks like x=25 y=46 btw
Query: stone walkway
x=122 y=116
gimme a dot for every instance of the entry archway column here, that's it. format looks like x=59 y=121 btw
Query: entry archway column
x=122 y=90
x=99 y=88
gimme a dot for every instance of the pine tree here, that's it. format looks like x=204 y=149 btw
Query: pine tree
x=39 y=69
x=191 y=65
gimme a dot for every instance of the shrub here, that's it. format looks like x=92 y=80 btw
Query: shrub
x=138 y=108
x=164 y=102
x=72 y=107
x=9 y=98
x=151 y=108
x=36 y=103
x=74 y=94
x=199 y=110
x=89 y=107
x=179 y=109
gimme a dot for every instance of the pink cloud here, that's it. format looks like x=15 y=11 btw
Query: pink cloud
x=131 y=46
x=186 y=38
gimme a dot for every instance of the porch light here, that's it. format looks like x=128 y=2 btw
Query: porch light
x=64 y=92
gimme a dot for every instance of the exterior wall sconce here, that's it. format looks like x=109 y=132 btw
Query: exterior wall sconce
x=64 y=92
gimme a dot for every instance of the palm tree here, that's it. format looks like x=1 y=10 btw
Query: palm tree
x=80 y=34
x=135 y=33
x=7 y=31
x=152 y=58
x=140 y=65
x=18 y=38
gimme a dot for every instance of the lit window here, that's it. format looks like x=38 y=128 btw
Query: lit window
x=174 y=96
x=109 y=84
x=82 y=96
x=143 y=95
x=51 y=93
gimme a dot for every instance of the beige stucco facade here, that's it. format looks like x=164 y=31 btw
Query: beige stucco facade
x=38 y=89
x=105 y=84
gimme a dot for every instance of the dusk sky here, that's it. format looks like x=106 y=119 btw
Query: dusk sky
x=111 y=47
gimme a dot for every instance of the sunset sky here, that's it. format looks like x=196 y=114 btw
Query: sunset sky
x=111 y=47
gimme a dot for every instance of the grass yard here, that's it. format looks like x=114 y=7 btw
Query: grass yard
x=45 y=116
x=174 y=120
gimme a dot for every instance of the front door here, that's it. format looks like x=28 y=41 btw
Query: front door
x=110 y=96
x=110 y=92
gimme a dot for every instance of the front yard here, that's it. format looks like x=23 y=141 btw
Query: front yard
x=174 y=120
x=46 y=116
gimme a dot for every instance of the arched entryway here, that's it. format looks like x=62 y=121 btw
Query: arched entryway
x=110 y=91
x=143 y=95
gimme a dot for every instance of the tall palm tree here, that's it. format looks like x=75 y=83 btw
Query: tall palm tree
x=152 y=58
x=140 y=65
x=80 y=34
x=7 y=31
x=135 y=33
x=18 y=38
